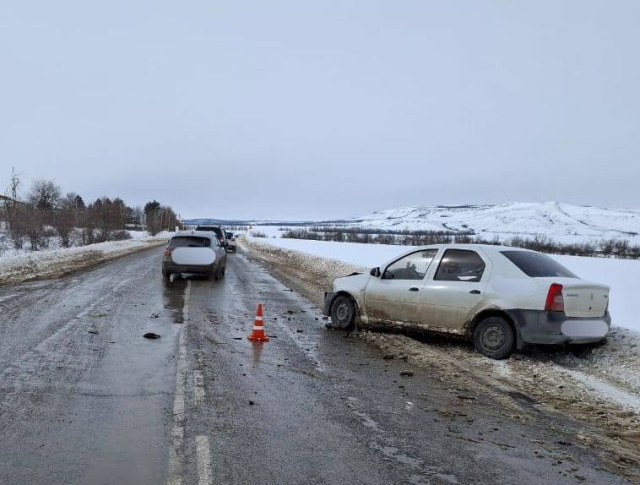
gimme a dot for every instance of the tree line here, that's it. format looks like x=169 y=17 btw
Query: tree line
x=620 y=248
x=46 y=214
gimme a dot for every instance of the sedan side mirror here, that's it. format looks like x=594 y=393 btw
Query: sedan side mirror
x=375 y=272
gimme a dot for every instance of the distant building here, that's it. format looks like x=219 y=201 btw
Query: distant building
x=6 y=201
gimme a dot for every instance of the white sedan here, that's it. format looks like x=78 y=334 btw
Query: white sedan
x=500 y=297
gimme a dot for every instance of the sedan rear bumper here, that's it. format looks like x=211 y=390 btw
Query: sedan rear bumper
x=551 y=328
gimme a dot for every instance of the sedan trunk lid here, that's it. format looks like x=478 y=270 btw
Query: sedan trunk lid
x=583 y=299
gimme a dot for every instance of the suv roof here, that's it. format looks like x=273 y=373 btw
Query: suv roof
x=217 y=229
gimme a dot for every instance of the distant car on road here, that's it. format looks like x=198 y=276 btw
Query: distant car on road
x=231 y=241
x=499 y=297
x=219 y=232
x=195 y=252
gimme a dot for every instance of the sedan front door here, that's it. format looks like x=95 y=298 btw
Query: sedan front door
x=395 y=296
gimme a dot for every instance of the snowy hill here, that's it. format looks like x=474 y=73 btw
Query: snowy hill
x=560 y=222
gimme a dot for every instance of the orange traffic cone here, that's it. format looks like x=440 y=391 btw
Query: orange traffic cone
x=258 y=334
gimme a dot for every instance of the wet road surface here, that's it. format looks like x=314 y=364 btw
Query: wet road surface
x=85 y=399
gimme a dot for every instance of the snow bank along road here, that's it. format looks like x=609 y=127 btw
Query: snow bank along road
x=84 y=398
x=598 y=387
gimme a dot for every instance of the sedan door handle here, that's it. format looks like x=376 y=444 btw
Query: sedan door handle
x=414 y=288
x=475 y=292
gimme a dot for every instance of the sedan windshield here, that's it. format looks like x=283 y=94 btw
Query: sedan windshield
x=537 y=265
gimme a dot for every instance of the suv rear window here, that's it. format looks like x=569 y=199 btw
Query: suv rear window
x=190 y=242
x=537 y=265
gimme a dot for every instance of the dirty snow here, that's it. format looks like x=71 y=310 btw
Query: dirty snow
x=23 y=265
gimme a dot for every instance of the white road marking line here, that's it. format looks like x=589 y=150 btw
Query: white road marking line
x=187 y=301
x=204 y=460
x=177 y=432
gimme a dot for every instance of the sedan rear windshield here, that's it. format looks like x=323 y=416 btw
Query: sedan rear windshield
x=537 y=265
x=190 y=242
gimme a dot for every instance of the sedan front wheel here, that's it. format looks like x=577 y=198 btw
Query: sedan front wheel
x=343 y=312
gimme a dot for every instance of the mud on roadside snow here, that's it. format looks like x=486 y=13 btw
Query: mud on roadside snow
x=598 y=387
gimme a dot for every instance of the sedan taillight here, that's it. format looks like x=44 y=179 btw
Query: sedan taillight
x=555 y=302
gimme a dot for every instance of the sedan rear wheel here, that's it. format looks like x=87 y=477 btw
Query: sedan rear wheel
x=343 y=312
x=494 y=337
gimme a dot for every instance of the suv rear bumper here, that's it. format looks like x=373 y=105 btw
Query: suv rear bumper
x=551 y=328
x=180 y=268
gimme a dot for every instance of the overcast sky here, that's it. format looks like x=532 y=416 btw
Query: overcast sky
x=316 y=109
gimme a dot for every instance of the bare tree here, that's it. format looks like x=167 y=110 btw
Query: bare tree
x=15 y=212
x=63 y=222
x=17 y=219
x=45 y=195
x=34 y=228
x=10 y=204
x=139 y=217
x=14 y=184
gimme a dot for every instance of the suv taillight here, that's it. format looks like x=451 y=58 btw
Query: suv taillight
x=167 y=252
x=555 y=302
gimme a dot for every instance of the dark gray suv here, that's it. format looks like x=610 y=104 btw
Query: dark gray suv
x=219 y=232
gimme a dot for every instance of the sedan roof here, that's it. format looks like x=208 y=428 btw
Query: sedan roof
x=485 y=247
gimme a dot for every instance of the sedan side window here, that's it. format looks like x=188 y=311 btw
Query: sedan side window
x=411 y=267
x=460 y=265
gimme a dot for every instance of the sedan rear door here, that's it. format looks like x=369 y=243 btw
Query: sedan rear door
x=456 y=287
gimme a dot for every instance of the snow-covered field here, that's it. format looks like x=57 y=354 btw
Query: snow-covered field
x=623 y=276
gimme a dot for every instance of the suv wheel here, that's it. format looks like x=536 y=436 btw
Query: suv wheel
x=494 y=337
x=343 y=312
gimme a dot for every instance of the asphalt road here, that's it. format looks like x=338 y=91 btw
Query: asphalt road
x=85 y=399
